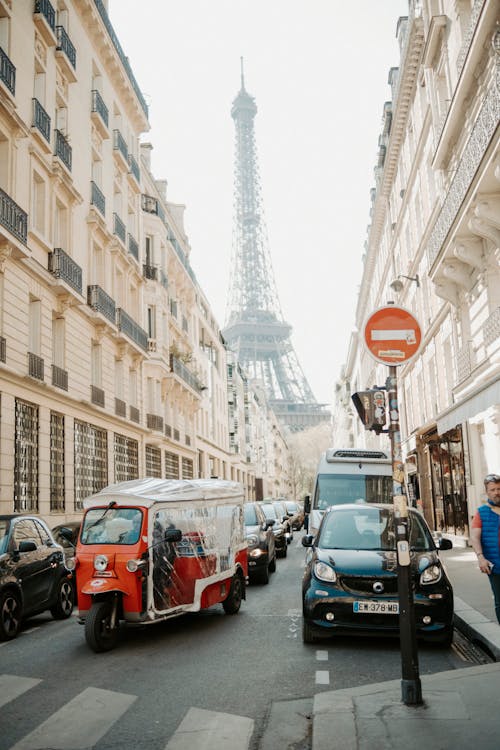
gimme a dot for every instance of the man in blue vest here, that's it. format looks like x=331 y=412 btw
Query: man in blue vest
x=485 y=536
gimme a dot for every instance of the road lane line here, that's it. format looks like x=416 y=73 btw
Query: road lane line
x=322 y=655
x=211 y=730
x=79 y=724
x=322 y=677
x=11 y=687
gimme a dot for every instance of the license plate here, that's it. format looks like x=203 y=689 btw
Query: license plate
x=379 y=608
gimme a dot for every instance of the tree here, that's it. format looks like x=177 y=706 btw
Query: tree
x=305 y=449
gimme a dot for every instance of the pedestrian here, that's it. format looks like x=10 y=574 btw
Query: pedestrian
x=485 y=536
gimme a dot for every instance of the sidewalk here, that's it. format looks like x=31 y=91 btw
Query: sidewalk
x=459 y=708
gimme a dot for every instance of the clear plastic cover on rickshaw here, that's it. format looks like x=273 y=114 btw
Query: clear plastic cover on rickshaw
x=186 y=536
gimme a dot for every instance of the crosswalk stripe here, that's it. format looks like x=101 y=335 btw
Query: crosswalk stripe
x=322 y=677
x=211 y=730
x=79 y=724
x=11 y=687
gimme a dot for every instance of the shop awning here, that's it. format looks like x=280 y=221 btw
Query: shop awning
x=483 y=398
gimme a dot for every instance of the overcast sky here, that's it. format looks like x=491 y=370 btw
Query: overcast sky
x=318 y=70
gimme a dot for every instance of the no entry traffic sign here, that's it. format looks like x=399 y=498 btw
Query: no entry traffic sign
x=392 y=335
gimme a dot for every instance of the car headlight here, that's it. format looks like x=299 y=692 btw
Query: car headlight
x=324 y=572
x=100 y=563
x=70 y=563
x=257 y=552
x=252 y=540
x=432 y=574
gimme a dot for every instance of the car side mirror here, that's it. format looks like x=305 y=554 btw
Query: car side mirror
x=445 y=544
x=67 y=534
x=270 y=522
x=308 y=540
x=173 y=535
x=26 y=547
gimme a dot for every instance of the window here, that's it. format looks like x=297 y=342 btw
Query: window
x=96 y=364
x=126 y=458
x=91 y=461
x=151 y=322
x=26 y=457
x=34 y=326
x=61 y=234
x=57 y=485
x=38 y=204
x=153 y=461
x=171 y=465
x=119 y=380
x=58 y=342
x=187 y=468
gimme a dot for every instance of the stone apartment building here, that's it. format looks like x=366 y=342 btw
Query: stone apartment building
x=112 y=365
x=433 y=247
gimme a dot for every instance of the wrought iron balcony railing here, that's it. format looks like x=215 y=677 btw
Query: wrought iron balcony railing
x=13 y=218
x=41 y=120
x=59 y=377
x=3 y=349
x=133 y=247
x=99 y=107
x=63 y=150
x=63 y=267
x=97 y=199
x=135 y=414
x=154 y=422
x=101 y=302
x=7 y=72
x=180 y=369
x=45 y=8
x=130 y=328
x=97 y=396
x=134 y=168
x=149 y=272
x=64 y=43
x=35 y=366
x=119 y=144
x=119 y=228
x=120 y=408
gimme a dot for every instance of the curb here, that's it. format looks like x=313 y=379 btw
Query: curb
x=477 y=628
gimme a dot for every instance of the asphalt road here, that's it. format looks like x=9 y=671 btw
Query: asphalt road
x=56 y=693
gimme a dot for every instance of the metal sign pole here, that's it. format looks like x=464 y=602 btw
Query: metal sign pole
x=411 y=689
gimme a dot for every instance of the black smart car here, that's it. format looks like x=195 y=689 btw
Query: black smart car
x=280 y=538
x=350 y=584
x=33 y=576
x=261 y=546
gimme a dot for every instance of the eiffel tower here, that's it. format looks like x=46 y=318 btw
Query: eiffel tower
x=255 y=327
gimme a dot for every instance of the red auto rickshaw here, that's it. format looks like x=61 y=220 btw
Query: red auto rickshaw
x=151 y=549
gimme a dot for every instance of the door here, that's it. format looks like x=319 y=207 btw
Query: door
x=35 y=569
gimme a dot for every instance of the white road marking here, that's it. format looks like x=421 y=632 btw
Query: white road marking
x=79 y=724
x=211 y=730
x=322 y=655
x=322 y=677
x=11 y=687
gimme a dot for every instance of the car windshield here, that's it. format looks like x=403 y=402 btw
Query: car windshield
x=4 y=535
x=113 y=526
x=250 y=515
x=270 y=511
x=335 y=489
x=370 y=529
x=280 y=510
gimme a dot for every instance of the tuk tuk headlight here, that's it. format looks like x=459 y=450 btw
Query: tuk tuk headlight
x=134 y=565
x=324 y=572
x=100 y=563
x=432 y=574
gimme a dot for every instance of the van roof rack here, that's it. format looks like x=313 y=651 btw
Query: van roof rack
x=353 y=453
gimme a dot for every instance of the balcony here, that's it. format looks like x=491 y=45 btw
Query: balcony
x=119 y=228
x=13 y=218
x=135 y=414
x=45 y=20
x=134 y=169
x=154 y=422
x=120 y=148
x=35 y=366
x=66 y=53
x=59 y=377
x=41 y=120
x=3 y=349
x=100 y=302
x=7 y=72
x=61 y=266
x=133 y=247
x=130 y=328
x=99 y=114
x=149 y=272
x=180 y=369
x=120 y=408
x=97 y=396
x=63 y=150
x=97 y=199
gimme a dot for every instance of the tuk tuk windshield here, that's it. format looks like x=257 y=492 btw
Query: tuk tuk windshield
x=111 y=526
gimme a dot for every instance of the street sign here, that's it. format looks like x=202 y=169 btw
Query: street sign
x=392 y=335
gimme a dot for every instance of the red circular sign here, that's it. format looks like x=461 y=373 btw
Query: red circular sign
x=392 y=335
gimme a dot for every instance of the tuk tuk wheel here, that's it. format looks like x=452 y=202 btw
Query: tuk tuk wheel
x=232 y=603
x=99 y=634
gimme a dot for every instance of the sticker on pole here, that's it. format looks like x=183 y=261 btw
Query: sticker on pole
x=392 y=335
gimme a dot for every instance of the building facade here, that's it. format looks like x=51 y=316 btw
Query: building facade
x=433 y=247
x=111 y=363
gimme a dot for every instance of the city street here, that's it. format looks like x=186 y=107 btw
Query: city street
x=56 y=693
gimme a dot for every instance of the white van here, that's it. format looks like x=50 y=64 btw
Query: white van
x=348 y=476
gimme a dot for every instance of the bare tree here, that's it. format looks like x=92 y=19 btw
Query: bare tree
x=305 y=449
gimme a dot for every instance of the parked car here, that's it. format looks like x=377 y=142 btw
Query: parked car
x=271 y=513
x=295 y=514
x=283 y=517
x=261 y=545
x=350 y=583
x=67 y=541
x=33 y=576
